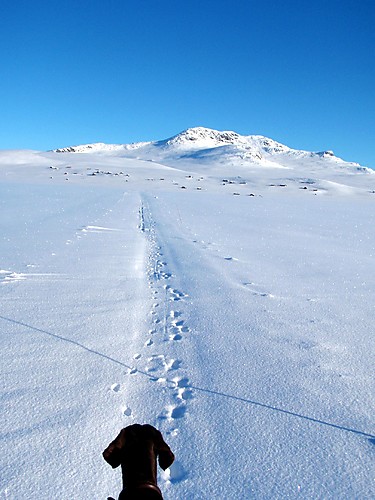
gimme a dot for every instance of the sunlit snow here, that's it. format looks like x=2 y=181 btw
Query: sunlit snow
x=219 y=287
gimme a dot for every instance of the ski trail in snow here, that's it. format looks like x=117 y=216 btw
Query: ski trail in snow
x=216 y=254
x=161 y=357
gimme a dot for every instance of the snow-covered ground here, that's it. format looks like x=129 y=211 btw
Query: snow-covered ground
x=218 y=287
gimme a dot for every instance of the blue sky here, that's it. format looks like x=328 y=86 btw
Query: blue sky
x=119 y=71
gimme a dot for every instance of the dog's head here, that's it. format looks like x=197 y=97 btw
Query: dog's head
x=137 y=436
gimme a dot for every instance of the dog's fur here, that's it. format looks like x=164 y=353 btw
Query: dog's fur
x=136 y=449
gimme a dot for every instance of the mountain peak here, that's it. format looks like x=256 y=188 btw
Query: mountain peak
x=200 y=135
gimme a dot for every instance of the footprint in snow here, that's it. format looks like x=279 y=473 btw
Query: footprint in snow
x=175 y=295
x=174 y=314
x=178 y=412
x=172 y=364
x=173 y=412
x=175 y=336
x=176 y=472
x=184 y=393
x=181 y=382
x=159 y=362
x=178 y=322
x=126 y=411
x=155 y=363
x=163 y=276
x=179 y=326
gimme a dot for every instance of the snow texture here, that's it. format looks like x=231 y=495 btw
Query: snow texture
x=219 y=287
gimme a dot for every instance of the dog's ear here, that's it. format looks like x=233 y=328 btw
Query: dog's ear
x=112 y=454
x=165 y=455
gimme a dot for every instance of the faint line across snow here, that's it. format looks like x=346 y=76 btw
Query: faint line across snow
x=201 y=389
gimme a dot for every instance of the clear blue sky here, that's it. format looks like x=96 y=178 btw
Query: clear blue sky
x=119 y=71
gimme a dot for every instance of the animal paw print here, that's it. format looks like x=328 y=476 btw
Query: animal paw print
x=183 y=391
x=173 y=412
x=155 y=363
x=158 y=362
x=175 y=295
x=175 y=474
x=177 y=328
x=126 y=411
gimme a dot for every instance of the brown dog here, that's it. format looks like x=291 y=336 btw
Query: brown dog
x=136 y=449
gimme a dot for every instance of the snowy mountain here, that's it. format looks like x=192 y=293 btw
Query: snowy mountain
x=219 y=287
x=204 y=144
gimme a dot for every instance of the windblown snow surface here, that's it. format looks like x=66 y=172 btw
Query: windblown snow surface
x=218 y=287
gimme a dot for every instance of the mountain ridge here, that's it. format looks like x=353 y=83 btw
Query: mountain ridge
x=205 y=144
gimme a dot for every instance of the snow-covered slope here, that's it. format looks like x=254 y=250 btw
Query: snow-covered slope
x=100 y=147
x=193 y=285
x=200 y=143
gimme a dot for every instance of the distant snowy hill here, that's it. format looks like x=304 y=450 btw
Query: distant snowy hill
x=205 y=145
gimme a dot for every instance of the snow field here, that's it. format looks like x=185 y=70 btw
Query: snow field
x=240 y=326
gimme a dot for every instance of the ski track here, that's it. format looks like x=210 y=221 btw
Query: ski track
x=167 y=326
